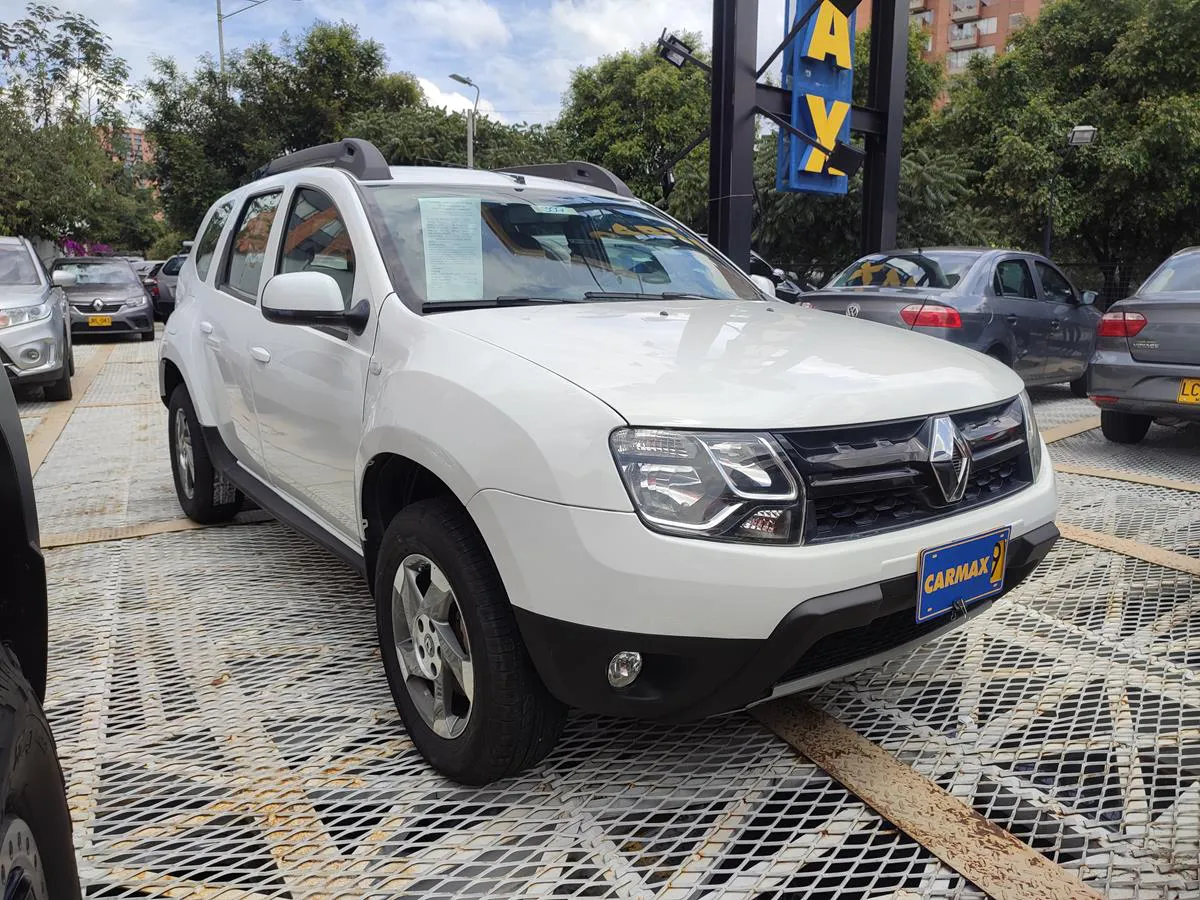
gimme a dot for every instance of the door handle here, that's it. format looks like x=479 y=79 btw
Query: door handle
x=1054 y=324
x=262 y=354
x=206 y=328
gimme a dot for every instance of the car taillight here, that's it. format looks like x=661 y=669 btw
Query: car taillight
x=1120 y=324
x=925 y=315
x=153 y=285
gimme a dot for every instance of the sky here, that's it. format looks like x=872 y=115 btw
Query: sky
x=520 y=52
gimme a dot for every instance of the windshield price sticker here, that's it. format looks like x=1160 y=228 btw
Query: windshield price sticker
x=452 y=233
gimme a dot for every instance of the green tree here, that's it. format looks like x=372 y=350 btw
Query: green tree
x=633 y=113
x=1130 y=68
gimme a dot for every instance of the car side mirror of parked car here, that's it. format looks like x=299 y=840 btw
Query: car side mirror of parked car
x=63 y=279
x=764 y=284
x=792 y=276
x=777 y=274
x=313 y=299
x=1088 y=298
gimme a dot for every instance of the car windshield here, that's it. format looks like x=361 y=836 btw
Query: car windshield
x=490 y=245
x=17 y=266
x=931 y=269
x=111 y=273
x=1177 y=275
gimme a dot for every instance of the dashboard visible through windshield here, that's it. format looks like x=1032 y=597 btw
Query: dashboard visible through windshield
x=493 y=246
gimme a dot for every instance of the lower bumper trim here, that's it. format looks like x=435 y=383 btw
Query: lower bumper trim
x=685 y=678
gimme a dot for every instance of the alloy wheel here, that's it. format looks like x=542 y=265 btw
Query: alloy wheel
x=432 y=647
x=184 y=459
x=21 y=871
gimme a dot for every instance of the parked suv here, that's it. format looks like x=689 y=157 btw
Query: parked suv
x=582 y=459
x=37 y=853
x=1016 y=307
x=35 y=334
x=165 y=281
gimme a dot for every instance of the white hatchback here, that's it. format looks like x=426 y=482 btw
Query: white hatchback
x=580 y=457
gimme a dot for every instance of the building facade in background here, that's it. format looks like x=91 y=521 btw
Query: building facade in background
x=956 y=30
x=138 y=150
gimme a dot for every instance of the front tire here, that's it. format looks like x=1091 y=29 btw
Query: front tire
x=35 y=822
x=61 y=389
x=204 y=494
x=1122 y=427
x=458 y=670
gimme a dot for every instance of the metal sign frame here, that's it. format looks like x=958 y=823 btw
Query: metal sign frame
x=737 y=98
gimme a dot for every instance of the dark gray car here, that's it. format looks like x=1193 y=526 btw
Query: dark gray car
x=1147 y=360
x=167 y=279
x=106 y=297
x=1017 y=307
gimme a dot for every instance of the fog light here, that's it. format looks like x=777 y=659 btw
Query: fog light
x=31 y=354
x=624 y=667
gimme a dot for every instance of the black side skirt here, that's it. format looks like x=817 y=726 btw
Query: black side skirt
x=268 y=500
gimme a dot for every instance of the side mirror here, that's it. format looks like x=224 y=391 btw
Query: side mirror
x=187 y=245
x=61 y=278
x=764 y=284
x=777 y=273
x=792 y=276
x=313 y=299
x=1088 y=298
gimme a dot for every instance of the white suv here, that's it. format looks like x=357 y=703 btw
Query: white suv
x=581 y=458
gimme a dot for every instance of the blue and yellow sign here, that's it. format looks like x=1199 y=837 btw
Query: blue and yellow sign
x=818 y=68
x=961 y=573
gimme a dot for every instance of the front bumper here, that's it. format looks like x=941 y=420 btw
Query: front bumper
x=581 y=578
x=1140 y=387
x=137 y=320
x=821 y=639
x=33 y=353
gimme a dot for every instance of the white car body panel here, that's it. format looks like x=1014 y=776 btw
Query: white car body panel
x=742 y=365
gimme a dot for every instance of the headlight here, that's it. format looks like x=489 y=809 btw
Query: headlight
x=1033 y=436
x=721 y=486
x=134 y=300
x=19 y=315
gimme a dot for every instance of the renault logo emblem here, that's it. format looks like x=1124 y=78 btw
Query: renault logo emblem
x=97 y=304
x=853 y=310
x=950 y=458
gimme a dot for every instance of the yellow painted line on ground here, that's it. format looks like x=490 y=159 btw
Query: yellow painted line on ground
x=121 y=405
x=149 y=529
x=1070 y=429
x=55 y=420
x=1168 y=559
x=1131 y=477
x=981 y=851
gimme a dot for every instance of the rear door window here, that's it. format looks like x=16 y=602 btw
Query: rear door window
x=1013 y=279
x=316 y=240
x=247 y=251
x=206 y=247
x=173 y=265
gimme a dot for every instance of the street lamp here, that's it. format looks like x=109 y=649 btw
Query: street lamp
x=221 y=17
x=463 y=79
x=1079 y=136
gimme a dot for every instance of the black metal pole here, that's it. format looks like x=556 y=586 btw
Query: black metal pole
x=731 y=153
x=885 y=91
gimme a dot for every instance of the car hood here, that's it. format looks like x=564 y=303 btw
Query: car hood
x=85 y=293
x=741 y=364
x=12 y=295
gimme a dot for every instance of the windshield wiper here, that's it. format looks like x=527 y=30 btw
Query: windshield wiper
x=503 y=300
x=635 y=295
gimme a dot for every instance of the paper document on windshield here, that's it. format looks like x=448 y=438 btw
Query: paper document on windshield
x=453 y=236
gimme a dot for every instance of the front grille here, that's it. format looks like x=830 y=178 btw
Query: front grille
x=854 y=644
x=870 y=479
x=89 y=309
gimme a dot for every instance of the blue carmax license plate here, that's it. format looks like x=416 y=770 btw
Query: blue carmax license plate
x=960 y=573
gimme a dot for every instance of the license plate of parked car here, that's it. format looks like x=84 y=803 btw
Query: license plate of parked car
x=99 y=321
x=1189 y=390
x=963 y=572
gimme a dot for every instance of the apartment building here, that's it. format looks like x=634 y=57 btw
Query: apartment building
x=956 y=30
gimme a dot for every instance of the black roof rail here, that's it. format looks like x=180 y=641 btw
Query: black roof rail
x=577 y=173
x=360 y=158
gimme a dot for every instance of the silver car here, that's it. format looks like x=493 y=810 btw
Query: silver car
x=1016 y=307
x=106 y=297
x=35 y=339
x=167 y=279
x=1147 y=361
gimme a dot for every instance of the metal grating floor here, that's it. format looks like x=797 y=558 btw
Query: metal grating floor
x=222 y=716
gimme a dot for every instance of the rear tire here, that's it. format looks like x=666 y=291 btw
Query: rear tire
x=35 y=822
x=205 y=496
x=1079 y=386
x=61 y=389
x=1124 y=428
x=511 y=720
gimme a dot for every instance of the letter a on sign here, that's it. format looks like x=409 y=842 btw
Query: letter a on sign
x=818 y=71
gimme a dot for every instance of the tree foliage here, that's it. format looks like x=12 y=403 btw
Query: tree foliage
x=1129 y=67
x=60 y=90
